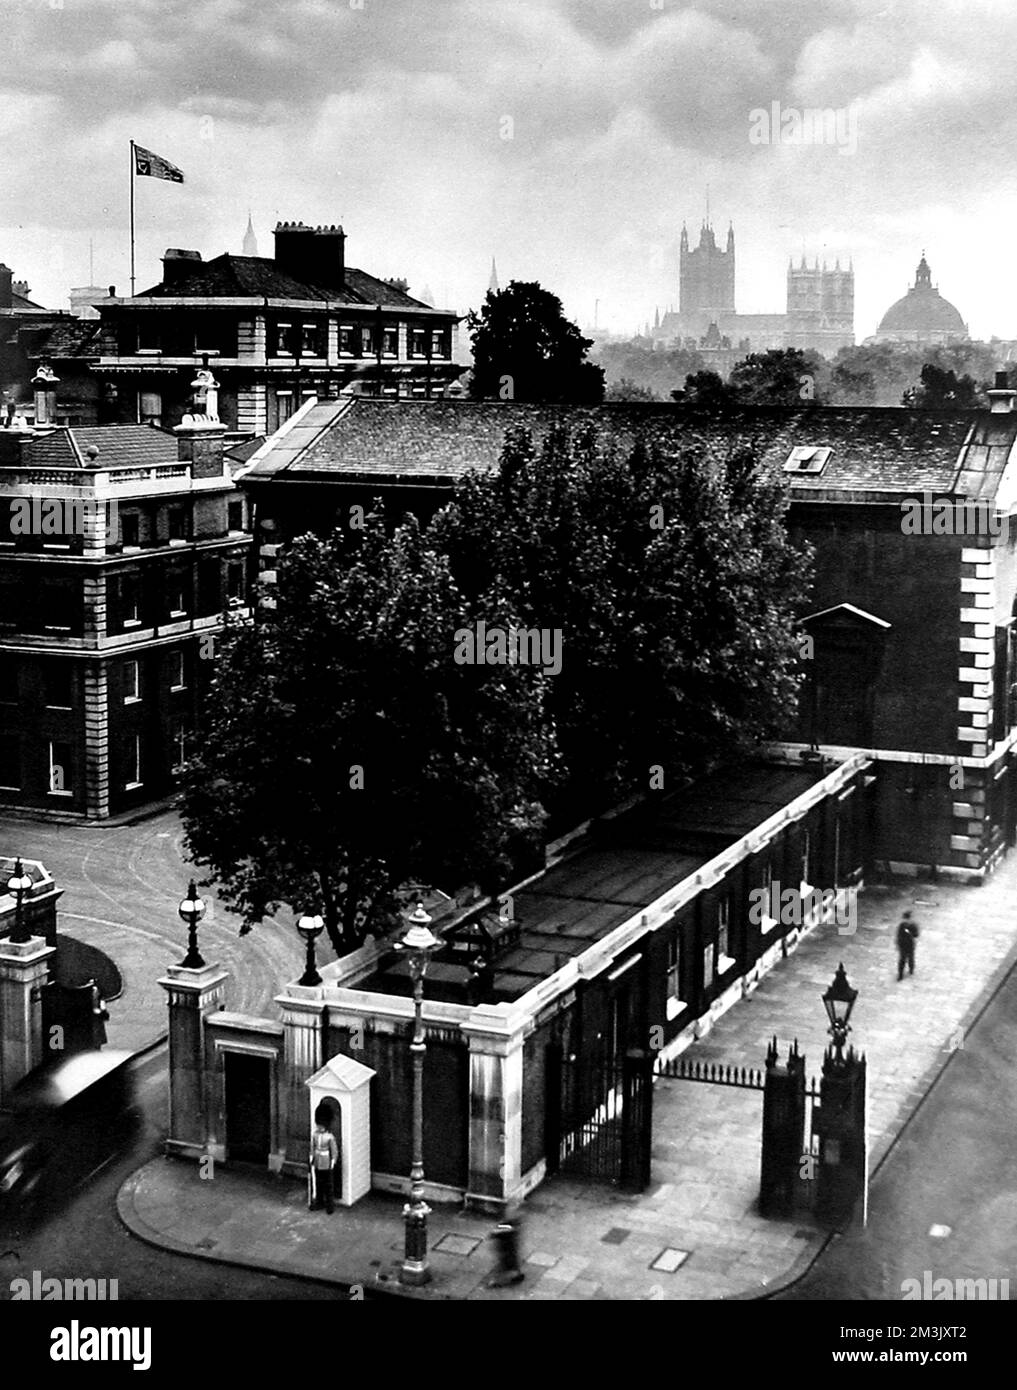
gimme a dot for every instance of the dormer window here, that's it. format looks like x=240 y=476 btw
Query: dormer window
x=807 y=459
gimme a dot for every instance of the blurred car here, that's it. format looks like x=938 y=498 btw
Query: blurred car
x=58 y=1125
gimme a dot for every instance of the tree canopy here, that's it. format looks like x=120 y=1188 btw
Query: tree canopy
x=525 y=349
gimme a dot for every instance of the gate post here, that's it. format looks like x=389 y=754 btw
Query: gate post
x=783 y=1131
x=843 y=1150
x=637 y=1119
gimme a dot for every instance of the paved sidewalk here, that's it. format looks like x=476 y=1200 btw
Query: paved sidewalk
x=695 y=1234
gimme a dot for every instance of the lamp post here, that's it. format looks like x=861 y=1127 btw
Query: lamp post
x=839 y=1000
x=310 y=929
x=19 y=883
x=192 y=909
x=421 y=942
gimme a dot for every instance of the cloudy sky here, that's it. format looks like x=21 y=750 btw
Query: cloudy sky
x=569 y=138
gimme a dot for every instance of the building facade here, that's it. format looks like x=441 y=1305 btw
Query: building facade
x=121 y=547
x=277 y=331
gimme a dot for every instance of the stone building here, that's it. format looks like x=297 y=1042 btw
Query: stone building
x=120 y=549
x=819 y=312
x=277 y=331
x=31 y=336
x=922 y=317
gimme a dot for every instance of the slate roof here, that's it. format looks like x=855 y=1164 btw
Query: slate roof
x=120 y=446
x=77 y=338
x=873 y=449
x=244 y=277
x=602 y=884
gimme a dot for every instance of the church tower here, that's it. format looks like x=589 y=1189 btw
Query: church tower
x=706 y=276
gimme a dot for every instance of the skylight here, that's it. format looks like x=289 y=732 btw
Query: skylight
x=807 y=459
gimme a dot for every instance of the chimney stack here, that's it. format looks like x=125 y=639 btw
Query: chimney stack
x=6 y=291
x=45 y=383
x=1001 y=398
x=316 y=255
x=177 y=265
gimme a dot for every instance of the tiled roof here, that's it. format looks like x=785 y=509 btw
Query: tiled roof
x=878 y=449
x=133 y=446
x=78 y=338
x=239 y=277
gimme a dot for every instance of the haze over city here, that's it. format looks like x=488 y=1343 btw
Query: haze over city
x=568 y=138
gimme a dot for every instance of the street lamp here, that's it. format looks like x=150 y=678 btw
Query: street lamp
x=421 y=942
x=192 y=909
x=310 y=929
x=839 y=1000
x=19 y=884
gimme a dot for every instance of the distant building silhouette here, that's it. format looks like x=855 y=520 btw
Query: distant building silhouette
x=922 y=316
x=250 y=240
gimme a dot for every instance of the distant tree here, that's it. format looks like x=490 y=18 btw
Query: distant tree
x=704 y=388
x=779 y=376
x=344 y=752
x=939 y=389
x=653 y=368
x=525 y=349
x=673 y=582
x=626 y=390
x=851 y=385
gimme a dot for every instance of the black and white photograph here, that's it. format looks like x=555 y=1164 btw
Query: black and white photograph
x=508 y=672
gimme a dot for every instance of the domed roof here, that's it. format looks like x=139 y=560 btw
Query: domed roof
x=922 y=310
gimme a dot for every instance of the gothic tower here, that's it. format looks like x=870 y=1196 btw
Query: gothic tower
x=706 y=275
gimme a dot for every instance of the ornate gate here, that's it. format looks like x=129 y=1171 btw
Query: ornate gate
x=600 y=1115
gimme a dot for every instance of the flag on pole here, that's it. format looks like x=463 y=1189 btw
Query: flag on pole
x=145 y=162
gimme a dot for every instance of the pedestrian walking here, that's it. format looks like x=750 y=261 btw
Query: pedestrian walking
x=321 y=1167
x=907 y=935
x=506 y=1237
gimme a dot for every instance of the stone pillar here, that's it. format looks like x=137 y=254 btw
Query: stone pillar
x=496 y=1111
x=303 y=1016
x=783 y=1132
x=843 y=1143
x=96 y=740
x=192 y=996
x=24 y=969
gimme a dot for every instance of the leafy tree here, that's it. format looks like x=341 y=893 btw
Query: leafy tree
x=780 y=376
x=672 y=581
x=626 y=390
x=525 y=349
x=705 y=389
x=654 y=369
x=940 y=389
x=344 y=751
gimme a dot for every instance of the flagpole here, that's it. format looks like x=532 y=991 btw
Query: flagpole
x=132 y=218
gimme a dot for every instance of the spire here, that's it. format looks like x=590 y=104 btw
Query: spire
x=730 y=236
x=656 y=318
x=492 y=287
x=250 y=240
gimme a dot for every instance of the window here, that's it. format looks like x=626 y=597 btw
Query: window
x=311 y=338
x=126 y=601
x=235 y=515
x=133 y=763
x=11 y=597
x=149 y=333
x=130 y=528
x=132 y=682
x=60 y=770
x=806 y=459
x=10 y=762
x=440 y=342
x=806 y=885
x=283 y=340
x=768 y=918
x=235 y=582
x=724 y=958
x=178 y=670
x=708 y=964
x=149 y=408
x=366 y=341
x=286 y=407
x=59 y=608
x=390 y=342
x=178 y=593
x=675 y=1003
x=177 y=523
x=8 y=680
x=58 y=685
x=347 y=340
x=418 y=342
